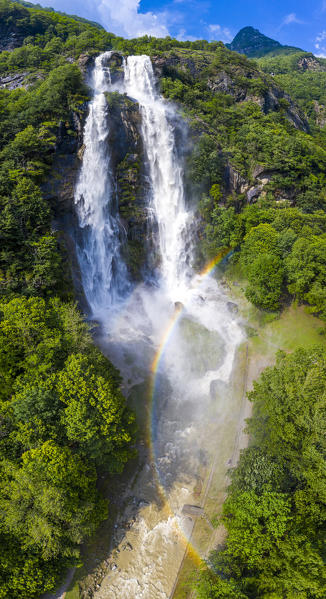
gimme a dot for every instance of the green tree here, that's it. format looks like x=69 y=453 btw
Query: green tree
x=306 y=271
x=95 y=415
x=47 y=265
x=50 y=501
x=275 y=511
x=265 y=276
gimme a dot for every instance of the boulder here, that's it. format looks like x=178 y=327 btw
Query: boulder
x=254 y=193
x=232 y=307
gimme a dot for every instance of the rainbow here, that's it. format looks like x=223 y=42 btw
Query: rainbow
x=207 y=270
x=179 y=310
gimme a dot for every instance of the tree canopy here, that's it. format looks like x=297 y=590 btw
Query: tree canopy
x=275 y=511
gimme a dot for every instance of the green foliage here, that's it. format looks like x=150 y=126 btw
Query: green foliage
x=95 y=416
x=30 y=256
x=282 y=251
x=62 y=415
x=50 y=501
x=48 y=38
x=31 y=119
x=222 y=94
x=275 y=512
x=306 y=268
x=151 y=46
x=303 y=76
x=206 y=166
x=265 y=276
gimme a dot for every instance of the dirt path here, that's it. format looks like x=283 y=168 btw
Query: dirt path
x=61 y=592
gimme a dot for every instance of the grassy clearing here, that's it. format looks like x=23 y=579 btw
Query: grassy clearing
x=73 y=592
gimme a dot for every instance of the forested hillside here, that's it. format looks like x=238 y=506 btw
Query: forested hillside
x=256 y=166
x=63 y=417
x=261 y=158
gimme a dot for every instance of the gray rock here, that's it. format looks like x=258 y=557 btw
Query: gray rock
x=178 y=305
x=235 y=183
x=13 y=80
x=10 y=37
x=254 y=192
x=232 y=307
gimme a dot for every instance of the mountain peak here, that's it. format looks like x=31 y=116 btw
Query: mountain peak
x=254 y=44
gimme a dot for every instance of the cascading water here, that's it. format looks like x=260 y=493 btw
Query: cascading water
x=166 y=199
x=196 y=365
x=104 y=274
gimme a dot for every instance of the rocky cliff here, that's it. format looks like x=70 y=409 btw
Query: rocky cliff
x=243 y=81
x=127 y=164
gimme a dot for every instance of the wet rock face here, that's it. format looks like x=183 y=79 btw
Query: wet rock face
x=59 y=187
x=128 y=164
x=59 y=190
x=125 y=122
x=85 y=63
x=116 y=67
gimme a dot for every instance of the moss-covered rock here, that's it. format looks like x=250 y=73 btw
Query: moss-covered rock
x=127 y=161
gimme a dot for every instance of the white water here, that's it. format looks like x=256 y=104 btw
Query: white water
x=201 y=347
x=167 y=201
x=104 y=274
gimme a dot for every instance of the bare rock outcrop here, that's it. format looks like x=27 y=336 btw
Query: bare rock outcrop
x=230 y=80
x=10 y=37
x=309 y=62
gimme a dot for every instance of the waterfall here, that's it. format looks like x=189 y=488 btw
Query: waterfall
x=167 y=201
x=188 y=355
x=104 y=274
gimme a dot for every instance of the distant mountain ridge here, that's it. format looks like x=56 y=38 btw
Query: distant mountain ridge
x=254 y=44
x=50 y=9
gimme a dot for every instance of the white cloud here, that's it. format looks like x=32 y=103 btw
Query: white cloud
x=216 y=32
x=292 y=18
x=182 y=36
x=321 y=37
x=320 y=44
x=123 y=18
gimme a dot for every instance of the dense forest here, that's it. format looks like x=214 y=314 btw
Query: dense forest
x=63 y=417
x=258 y=165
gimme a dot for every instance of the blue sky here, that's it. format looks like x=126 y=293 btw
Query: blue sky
x=298 y=23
